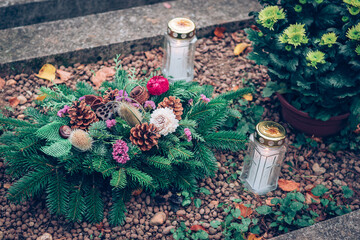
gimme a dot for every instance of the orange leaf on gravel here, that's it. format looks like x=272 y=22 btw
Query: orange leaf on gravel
x=311 y=198
x=196 y=228
x=248 y=97
x=288 y=185
x=14 y=101
x=101 y=75
x=64 y=76
x=253 y=237
x=245 y=211
x=41 y=97
x=219 y=32
x=235 y=88
x=2 y=83
x=137 y=192
x=240 y=48
x=47 y=72
x=268 y=201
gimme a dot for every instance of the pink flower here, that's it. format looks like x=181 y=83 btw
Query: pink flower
x=188 y=134
x=120 y=152
x=110 y=123
x=123 y=95
x=81 y=98
x=63 y=111
x=149 y=104
x=204 y=98
x=190 y=102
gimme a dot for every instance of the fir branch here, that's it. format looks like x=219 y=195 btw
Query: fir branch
x=138 y=176
x=76 y=206
x=118 y=178
x=94 y=203
x=118 y=208
x=226 y=140
x=57 y=193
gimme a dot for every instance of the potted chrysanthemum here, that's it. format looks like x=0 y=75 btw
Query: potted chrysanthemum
x=312 y=51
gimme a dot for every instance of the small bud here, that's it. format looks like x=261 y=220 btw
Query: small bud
x=298 y=8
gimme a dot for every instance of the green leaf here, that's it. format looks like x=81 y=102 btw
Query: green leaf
x=236 y=213
x=300 y=197
x=263 y=210
x=197 y=202
x=348 y=193
x=273 y=224
x=205 y=191
x=50 y=132
x=58 y=149
x=319 y=190
x=255 y=229
x=215 y=224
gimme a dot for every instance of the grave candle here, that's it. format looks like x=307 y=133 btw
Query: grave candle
x=179 y=50
x=266 y=152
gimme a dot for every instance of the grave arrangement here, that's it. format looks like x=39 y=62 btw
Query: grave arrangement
x=129 y=135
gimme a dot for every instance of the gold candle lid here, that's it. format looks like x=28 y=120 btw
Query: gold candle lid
x=181 y=28
x=270 y=134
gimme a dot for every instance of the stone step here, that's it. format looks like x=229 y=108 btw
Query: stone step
x=15 y=13
x=102 y=36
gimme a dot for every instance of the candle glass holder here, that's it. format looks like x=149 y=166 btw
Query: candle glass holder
x=266 y=152
x=179 y=50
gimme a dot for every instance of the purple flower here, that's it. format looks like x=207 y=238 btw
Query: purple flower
x=63 y=111
x=120 y=152
x=188 y=134
x=110 y=123
x=204 y=98
x=149 y=104
x=81 y=98
x=190 y=102
x=123 y=96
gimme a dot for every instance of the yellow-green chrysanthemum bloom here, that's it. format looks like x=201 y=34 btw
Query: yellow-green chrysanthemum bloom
x=328 y=39
x=294 y=35
x=355 y=3
x=270 y=15
x=298 y=8
x=357 y=49
x=354 y=10
x=354 y=32
x=315 y=58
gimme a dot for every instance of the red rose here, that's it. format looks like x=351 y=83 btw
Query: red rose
x=157 y=85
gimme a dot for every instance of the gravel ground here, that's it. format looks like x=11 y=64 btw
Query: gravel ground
x=216 y=65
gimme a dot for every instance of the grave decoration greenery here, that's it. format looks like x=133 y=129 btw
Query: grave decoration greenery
x=79 y=144
x=312 y=51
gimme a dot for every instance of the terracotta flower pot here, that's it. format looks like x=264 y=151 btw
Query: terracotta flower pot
x=303 y=122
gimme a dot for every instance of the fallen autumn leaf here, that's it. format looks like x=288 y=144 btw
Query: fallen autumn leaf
x=245 y=211
x=288 y=185
x=47 y=72
x=14 y=101
x=63 y=75
x=240 y=48
x=101 y=75
x=219 y=32
x=196 y=228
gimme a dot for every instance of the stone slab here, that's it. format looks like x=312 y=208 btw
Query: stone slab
x=26 y=12
x=346 y=227
x=102 y=36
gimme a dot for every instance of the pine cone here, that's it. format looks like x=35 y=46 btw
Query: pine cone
x=144 y=135
x=81 y=115
x=110 y=95
x=173 y=103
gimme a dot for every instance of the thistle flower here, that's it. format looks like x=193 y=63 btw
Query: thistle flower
x=357 y=49
x=81 y=140
x=298 y=8
x=165 y=120
x=270 y=15
x=315 y=58
x=204 y=98
x=120 y=152
x=354 y=32
x=188 y=134
x=62 y=111
x=328 y=39
x=110 y=123
x=294 y=35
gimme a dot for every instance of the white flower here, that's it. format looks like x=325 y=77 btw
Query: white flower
x=165 y=120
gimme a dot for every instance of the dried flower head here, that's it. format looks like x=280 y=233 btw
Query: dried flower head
x=294 y=35
x=354 y=32
x=110 y=123
x=81 y=140
x=270 y=15
x=165 y=120
x=328 y=39
x=130 y=114
x=315 y=57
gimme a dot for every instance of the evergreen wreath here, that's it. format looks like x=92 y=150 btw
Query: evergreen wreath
x=72 y=151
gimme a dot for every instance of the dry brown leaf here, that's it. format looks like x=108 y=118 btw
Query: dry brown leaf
x=254 y=27
x=41 y=97
x=167 y=5
x=268 y=202
x=47 y=72
x=2 y=83
x=101 y=75
x=252 y=236
x=64 y=76
x=7 y=185
x=248 y=97
x=137 y=192
x=14 y=101
x=288 y=185
x=240 y=48
x=235 y=88
x=311 y=198
x=245 y=211
x=219 y=32
x=196 y=228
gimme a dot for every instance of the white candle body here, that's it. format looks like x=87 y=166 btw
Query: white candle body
x=178 y=61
